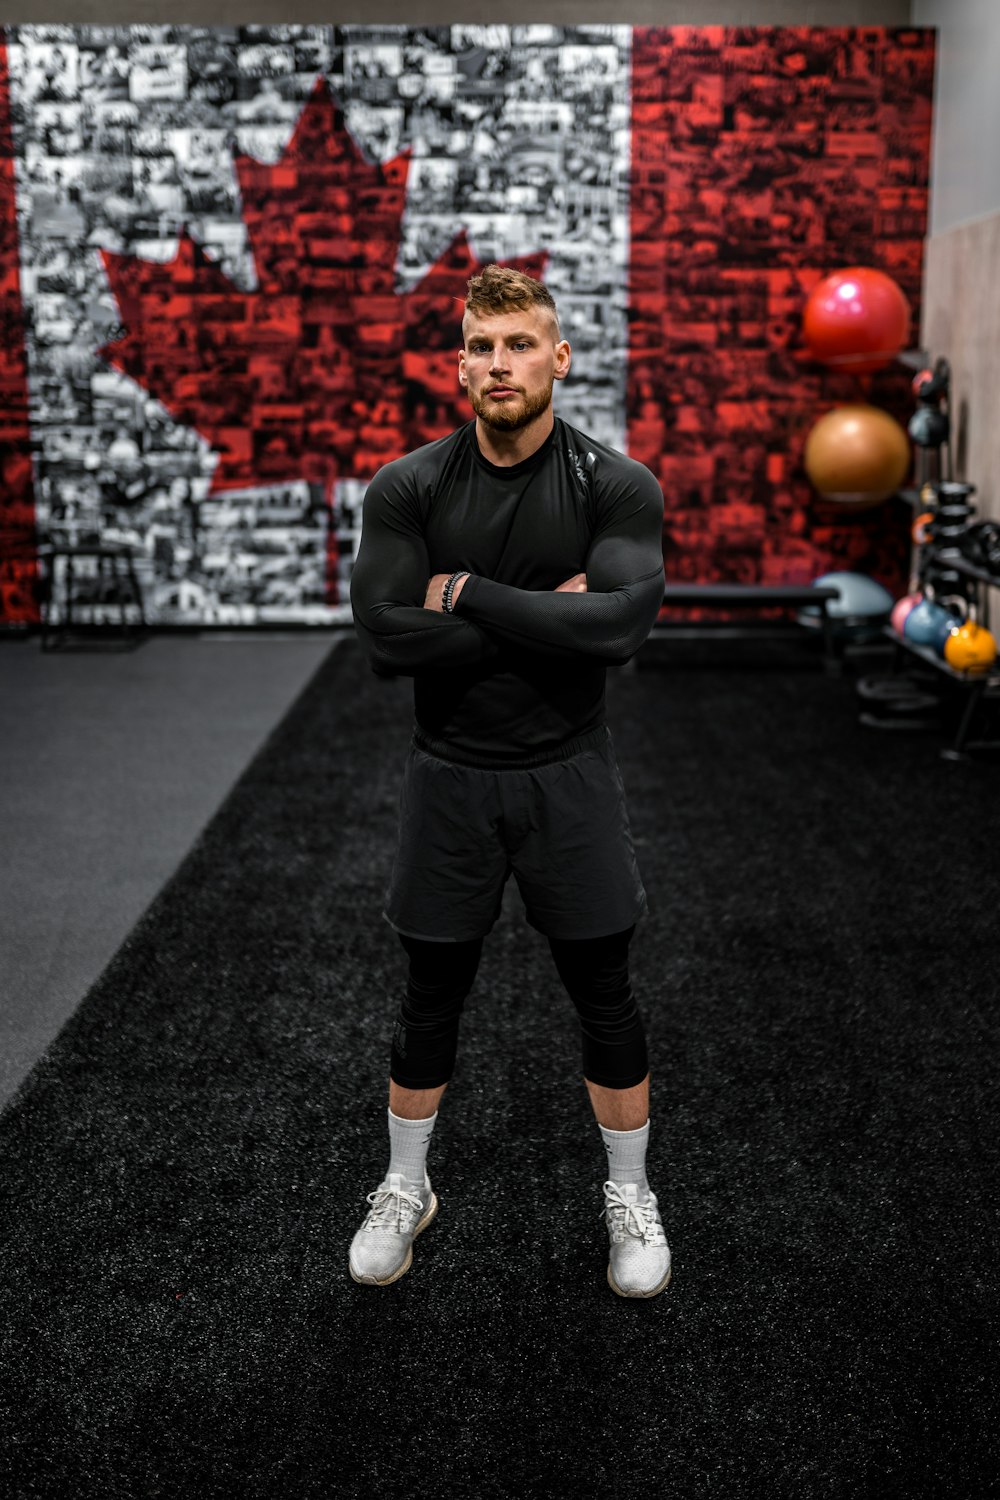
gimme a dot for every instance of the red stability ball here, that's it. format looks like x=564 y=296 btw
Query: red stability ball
x=857 y=319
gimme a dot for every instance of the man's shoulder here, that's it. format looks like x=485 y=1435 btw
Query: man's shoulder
x=595 y=461
x=422 y=465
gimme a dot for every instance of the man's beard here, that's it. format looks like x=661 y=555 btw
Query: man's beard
x=508 y=416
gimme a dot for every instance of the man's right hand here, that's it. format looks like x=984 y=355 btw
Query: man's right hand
x=575 y=585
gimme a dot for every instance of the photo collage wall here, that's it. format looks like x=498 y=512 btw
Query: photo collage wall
x=233 y=265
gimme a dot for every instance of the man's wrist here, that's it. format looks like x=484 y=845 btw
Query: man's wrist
x=452 y=589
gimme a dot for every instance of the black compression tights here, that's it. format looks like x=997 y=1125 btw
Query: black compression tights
x=594 y=971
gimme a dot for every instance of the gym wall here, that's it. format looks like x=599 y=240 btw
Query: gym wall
x=469 y=13
x=226 y=303
x=961 y=303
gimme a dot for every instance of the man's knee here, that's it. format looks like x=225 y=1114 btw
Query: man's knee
x=596 y=976
x=593 y=966
x=425 y=1037
x=440 y=974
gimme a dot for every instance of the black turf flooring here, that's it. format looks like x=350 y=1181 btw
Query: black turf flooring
x=182 y=1174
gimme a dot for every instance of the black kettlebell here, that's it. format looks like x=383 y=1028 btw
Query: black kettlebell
x=929 y=427
x=979 y=542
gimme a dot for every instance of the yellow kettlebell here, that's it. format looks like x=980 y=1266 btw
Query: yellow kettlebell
x=970 y=648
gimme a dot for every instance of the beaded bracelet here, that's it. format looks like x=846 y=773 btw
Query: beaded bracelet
x=449 y=589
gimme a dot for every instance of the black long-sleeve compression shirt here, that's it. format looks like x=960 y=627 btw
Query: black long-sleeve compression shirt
x=517 y=669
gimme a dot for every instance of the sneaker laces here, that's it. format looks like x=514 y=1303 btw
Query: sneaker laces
x=636 y=1219
x=387 y=1207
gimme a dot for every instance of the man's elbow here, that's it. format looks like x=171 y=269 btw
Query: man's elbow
x=620 y=658
x=382 y=670
x=376 y=650
x=619 y=654
x=617 y=650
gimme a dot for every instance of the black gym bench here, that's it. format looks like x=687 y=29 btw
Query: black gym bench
x=749 y=596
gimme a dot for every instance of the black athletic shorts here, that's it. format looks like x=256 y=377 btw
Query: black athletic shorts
x=561 y=828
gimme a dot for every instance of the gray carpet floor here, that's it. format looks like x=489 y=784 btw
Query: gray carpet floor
x=112 y=763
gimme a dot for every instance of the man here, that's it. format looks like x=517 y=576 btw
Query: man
x=504 y=567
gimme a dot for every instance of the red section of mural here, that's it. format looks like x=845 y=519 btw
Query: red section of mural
x=761 y=161
x=324 y=370
x=18 y=538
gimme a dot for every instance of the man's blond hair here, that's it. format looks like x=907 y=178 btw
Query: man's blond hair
x=501 y=289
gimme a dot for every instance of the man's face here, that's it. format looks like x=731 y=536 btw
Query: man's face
x=509 y=363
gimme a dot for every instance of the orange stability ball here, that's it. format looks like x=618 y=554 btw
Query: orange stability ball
x=857 y=319
x=857 y=455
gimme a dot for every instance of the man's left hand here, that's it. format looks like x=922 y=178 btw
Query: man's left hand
x=435 y=589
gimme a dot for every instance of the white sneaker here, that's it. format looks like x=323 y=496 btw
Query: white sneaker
x=639 y=1265
x=382 y=1250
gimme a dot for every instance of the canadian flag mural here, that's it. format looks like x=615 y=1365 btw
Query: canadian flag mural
x=232 y=264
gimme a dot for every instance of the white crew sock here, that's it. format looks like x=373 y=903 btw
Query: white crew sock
x=627 y=1155
x=408 y=1142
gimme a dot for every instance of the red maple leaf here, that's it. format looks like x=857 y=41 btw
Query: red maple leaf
x=323 y=370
